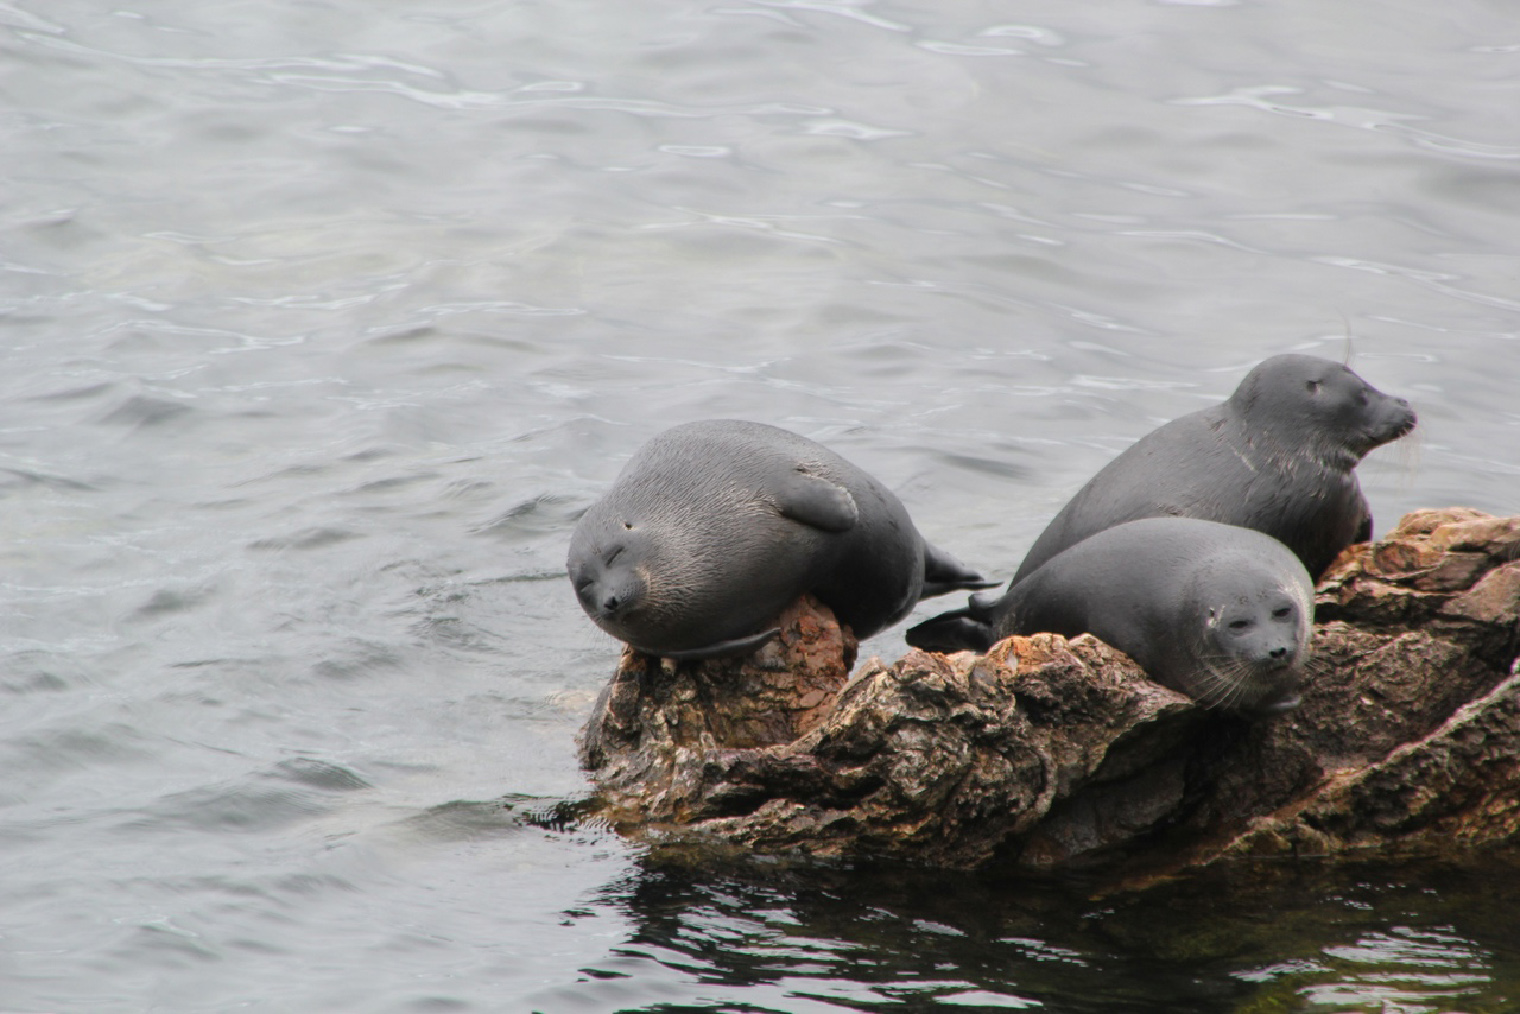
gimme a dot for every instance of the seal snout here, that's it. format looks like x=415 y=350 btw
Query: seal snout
x=1387 y=421
x=610 y=597
x=607 y=608
x=1407 y=418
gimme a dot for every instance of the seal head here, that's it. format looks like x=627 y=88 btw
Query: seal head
x=1320 y=405
x=1252 y=637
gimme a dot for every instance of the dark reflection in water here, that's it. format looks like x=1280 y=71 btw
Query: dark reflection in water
x=769 y=936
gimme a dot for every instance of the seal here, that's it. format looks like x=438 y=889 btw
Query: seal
x=1277 y=456
x=714 y=527
x=1220 y=613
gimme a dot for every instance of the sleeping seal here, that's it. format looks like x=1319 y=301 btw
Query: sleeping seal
x=714 y=527
x=1277 y=456
x=1221 y=613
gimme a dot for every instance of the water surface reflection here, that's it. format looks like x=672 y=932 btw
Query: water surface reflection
x=778 y=936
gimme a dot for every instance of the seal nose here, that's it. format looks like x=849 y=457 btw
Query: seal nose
x=610 y=604
x=1403 y=418
x=1411 y=418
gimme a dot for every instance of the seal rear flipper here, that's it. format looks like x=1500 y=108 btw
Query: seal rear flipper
x=943 y=573
x=738 y=646
x=813 y=501
x=981 y=607
x=950 y=632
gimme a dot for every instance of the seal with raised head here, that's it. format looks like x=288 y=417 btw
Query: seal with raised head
x=1277 y=456
x=714 y=527
x=1219 y=612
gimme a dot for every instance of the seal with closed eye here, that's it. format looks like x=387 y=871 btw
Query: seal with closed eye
x=713 y=527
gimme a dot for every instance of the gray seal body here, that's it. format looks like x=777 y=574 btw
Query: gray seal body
x=1277 y=456
x=714 y=527
x=1220 y=613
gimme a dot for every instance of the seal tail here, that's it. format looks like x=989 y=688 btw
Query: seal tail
x=943 y=573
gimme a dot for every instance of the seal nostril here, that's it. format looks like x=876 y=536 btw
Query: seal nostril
x=609 y=603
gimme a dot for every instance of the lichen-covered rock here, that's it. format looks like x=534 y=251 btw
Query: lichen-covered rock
x=1051 y=752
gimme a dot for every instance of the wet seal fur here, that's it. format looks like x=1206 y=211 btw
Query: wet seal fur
x=714 y=527
x=1277 y=456
x=1219 y=612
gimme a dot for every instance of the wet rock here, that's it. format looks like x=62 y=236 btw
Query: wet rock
x=1048 y=752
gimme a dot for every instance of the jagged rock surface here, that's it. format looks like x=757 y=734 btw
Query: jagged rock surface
x=1050 y=752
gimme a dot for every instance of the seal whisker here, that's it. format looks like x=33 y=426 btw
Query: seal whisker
x=1226 y=681
x=1234 y=680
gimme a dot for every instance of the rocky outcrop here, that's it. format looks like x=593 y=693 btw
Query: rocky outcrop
x=1048 y=752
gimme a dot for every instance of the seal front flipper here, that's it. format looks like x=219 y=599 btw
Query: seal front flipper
x=813 y=501
x=738 y=646
x=944 y=573
x=949 y=632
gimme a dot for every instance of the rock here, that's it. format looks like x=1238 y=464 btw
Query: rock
x=661 y=728
x=1056 y=753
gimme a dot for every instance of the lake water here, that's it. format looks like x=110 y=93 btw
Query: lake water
x=323 y=320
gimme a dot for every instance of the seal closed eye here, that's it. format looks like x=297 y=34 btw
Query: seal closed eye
x=714 y=527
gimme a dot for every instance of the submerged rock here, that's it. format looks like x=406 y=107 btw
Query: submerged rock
x=1053 y=752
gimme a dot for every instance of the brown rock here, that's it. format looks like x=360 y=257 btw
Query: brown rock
x=1498 y=537
x=1452 y=789
x=1047 y=752
x=1495 y=599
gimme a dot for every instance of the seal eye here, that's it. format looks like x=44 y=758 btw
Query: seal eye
x=1313 y=386
x=616 y=552
x=1282 y=612
x=628 y=525
x=1239 y=624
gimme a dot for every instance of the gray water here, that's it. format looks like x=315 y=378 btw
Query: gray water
x=322 y=321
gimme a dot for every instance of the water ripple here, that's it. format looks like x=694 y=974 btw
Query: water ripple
x=1263 y=97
